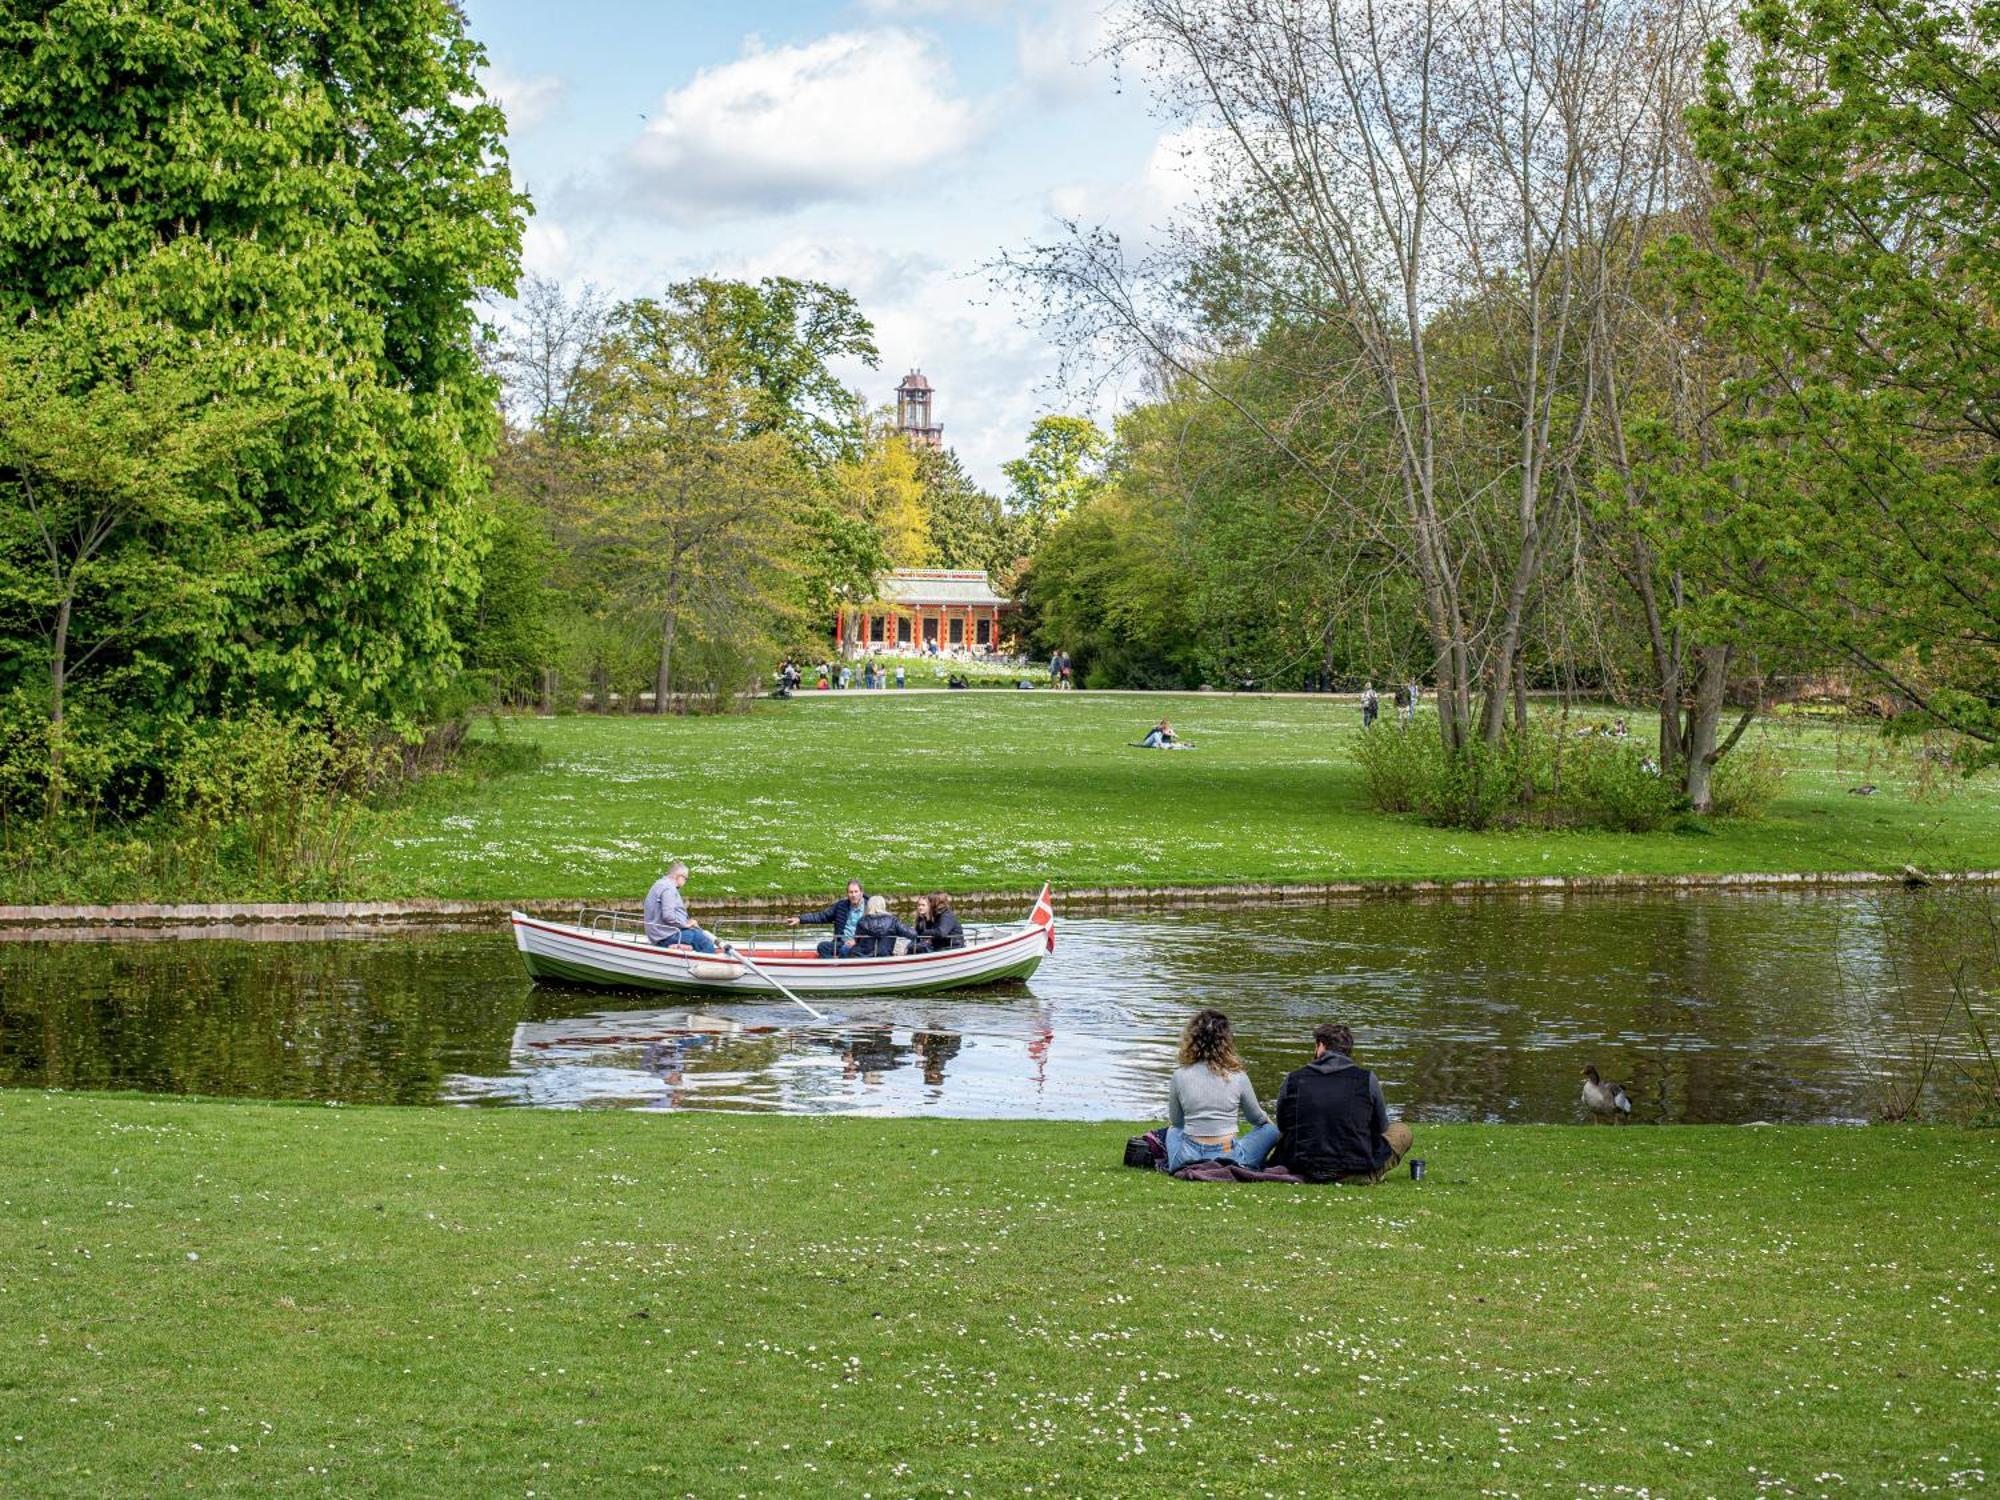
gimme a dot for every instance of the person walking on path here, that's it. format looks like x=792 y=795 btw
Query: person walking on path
x=1370 y=705
x=1204 y=1096
x=668 y=924
x=1333 y=1125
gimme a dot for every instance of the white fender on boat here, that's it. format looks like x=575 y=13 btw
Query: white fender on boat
x=709 y=969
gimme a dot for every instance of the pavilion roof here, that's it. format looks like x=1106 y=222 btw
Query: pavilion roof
x=937 y=586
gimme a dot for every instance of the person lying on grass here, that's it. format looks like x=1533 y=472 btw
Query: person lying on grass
x=844 y=917
x=1333 y=1125
x=1204 y=1095
x=668 y=924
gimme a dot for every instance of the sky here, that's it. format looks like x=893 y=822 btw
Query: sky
x=892 y=147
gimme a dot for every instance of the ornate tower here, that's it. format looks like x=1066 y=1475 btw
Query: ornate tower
x=913 y=412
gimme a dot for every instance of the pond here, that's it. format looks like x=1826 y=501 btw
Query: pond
x=1710 y=1006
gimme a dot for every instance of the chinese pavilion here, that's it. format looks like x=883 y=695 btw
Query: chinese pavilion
x=950 y=608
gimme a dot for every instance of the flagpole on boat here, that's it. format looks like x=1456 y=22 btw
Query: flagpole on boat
x=777 y=984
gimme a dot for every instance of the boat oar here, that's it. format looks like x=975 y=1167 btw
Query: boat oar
x=777 y=984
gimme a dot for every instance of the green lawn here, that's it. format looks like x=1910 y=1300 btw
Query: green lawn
x=984 y=791
x=289 y=1300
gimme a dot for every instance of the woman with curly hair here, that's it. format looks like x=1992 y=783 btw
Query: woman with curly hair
x=1204 y=1096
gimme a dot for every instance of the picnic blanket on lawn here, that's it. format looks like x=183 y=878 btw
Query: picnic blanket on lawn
x=1214 y=1171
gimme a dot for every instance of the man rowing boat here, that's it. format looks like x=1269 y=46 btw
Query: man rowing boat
x=668 y=924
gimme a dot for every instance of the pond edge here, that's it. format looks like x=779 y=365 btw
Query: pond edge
x=1111 y=897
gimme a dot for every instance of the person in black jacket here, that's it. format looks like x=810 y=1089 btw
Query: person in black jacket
x=1333 y=1125
x=877 y=933
x=937 y=924
x=844 y=917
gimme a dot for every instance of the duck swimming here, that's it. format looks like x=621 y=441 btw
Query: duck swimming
x=1605 y=1101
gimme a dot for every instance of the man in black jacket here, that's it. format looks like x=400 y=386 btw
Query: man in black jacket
x=1333 y=1125
x=844 y=917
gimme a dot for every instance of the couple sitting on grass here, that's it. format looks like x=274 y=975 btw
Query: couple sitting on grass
x=1332 y=1124
x=864 y=927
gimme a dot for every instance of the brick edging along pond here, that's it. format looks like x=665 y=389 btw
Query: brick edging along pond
x=346 y=913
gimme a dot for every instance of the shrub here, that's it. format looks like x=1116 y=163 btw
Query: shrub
x=1613 y=785
x=1473 y=788
x=1398 y=765
x=1746 y=782
x=277 y=797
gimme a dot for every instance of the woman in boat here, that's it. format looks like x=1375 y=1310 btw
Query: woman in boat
x=937 y=924
x=1204 y=1096
x=876 y=935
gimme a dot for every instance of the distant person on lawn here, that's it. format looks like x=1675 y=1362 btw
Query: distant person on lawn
x=1333 y=1125
x=844 y=917
x=668 y=924
x=1204 y=1096
x=1160 y=737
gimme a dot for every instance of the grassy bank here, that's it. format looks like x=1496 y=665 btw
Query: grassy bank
x=270 y=1300
x=995 y=791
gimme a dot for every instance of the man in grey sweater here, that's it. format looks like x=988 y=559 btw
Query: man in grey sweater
x=668 y=924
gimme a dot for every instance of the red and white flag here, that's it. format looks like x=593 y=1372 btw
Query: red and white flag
x=1044 y=915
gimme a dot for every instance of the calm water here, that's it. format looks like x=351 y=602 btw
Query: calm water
x=1709 y=1006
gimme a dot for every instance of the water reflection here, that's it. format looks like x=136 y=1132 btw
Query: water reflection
x=1708 y=1006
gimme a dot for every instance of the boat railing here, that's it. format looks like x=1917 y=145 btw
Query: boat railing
x=802 y=940
x=617 y=923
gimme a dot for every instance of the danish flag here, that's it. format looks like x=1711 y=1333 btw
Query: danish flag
x=1044 y=915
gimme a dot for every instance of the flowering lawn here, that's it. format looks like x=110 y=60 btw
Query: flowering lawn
x=272 y=1300
x=995 y=790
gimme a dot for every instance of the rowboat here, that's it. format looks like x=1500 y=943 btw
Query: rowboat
x=600 y=949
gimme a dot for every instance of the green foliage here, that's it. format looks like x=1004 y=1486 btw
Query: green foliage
x=1747 y=781
x=1855 y=507
x=1061 y=469
x=1612 y=784
x=965 y=527
x=1476 y=785
x=238 y=274
x=275 y=799
x=1399 y=767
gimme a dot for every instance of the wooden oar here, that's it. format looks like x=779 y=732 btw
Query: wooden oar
x=777 y=984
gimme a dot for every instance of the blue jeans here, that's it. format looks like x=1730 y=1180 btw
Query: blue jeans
x=692 y=937
x=836 y=948
x=1246 y=1150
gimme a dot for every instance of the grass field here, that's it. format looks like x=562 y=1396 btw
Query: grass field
x=268 y=1300
x=998 y=791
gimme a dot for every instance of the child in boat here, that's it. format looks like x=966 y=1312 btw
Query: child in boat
x=875 y=936
x=937 y=925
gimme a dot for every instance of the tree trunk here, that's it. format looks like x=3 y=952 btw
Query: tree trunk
x=665 y=679
x=58 y=672
x=1704 y=719
x=548 y=704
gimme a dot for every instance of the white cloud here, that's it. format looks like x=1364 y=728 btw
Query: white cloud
x=546 y=249
x=933 y=314
x=1061 y=54
x=849 y=116
x=526 y=101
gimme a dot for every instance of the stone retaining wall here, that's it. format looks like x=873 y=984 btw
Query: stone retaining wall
x=46 y=919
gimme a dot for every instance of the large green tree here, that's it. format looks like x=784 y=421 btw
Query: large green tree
x=1857 y=273
x=314 y=195
x=1062 y=467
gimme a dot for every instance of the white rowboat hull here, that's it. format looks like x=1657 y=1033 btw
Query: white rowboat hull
x=569 y=954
